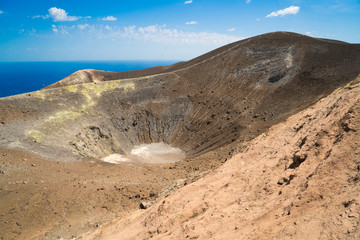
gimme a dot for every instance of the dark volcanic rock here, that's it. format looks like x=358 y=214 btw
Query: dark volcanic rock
x=145 y=205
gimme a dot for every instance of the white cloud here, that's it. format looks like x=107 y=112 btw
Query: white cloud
x=248 y=1
x=188 y=2
x=109 y=18
x=191 y=23
x=286 y=11
x=63 y=30
x=1 y=12
x=41 y=16
x=152 y=33
x=60 y=15
x=83 y=26
x=231 y=29
x=258 y=19
x=163 y=34
x=28 y=32
x=311 y=33
x=55 y=30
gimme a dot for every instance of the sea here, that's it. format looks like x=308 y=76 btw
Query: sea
x=22 y=77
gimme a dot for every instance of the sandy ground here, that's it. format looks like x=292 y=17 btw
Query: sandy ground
x=299 y=180
x=42 y=199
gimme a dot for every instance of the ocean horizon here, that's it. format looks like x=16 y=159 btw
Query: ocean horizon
x=22 y=77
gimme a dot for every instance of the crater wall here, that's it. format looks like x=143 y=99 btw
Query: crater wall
x=213 y=103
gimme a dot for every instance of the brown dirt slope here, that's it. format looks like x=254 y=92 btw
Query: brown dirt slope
x=299 y=180
x=42 y=199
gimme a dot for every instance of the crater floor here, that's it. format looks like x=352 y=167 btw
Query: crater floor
x=148 y=153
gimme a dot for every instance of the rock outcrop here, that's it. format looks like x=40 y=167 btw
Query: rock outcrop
x=80 y=77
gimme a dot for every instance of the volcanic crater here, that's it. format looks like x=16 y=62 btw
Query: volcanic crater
x=207 y=109
x=216 y=101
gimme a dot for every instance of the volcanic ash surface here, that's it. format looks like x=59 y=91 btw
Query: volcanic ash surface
x=148 y=153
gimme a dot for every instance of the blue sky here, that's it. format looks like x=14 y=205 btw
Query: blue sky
x=64 y=30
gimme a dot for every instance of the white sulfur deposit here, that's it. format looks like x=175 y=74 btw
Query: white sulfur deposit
x=148 y=153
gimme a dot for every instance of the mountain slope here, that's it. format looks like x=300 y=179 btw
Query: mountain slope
x=211 y=103
x=261 y=41
x=299 y=180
